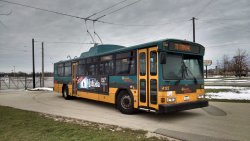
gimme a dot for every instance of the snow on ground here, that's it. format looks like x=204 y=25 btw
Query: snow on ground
x=225 y=87
x=243 y=95
x=212 y=80
x=236 y=93
x=41 y=89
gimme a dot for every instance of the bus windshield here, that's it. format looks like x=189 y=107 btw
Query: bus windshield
x=180 y=66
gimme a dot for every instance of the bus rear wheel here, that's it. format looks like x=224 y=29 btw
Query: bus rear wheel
x=65 y=93
x=125 y=103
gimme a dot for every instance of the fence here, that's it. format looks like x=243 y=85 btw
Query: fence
x=23 y=82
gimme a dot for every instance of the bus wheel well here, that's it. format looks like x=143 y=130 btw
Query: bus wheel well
x=63 y=87
x=119 y=92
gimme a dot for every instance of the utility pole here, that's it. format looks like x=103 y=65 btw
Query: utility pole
x=33 y=64
x=14 y=71
x=193 y=19
x=206 y=71
x=42 y=65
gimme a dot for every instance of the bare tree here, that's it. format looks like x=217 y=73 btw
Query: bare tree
x=225 y=64
x=240 y=63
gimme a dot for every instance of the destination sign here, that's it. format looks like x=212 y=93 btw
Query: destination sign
x=183 y=47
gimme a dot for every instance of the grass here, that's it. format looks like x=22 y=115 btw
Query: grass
x=18 y=125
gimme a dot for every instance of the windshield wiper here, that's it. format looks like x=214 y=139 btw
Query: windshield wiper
x=187 y=69
x=183 y=70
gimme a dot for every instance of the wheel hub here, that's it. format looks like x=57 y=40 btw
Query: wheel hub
x=126 y=102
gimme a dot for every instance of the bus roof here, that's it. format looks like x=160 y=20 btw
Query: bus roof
x=104 y=49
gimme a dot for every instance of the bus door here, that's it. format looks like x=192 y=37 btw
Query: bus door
x=148 y=76
x=74 y=79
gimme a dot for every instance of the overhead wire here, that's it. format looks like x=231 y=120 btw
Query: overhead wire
x=140 y=25
x=3 y=25
x=106 y=8
x=97 y=19
x=61 y=42
x=118 y=9
x=228 y=44
x=204 y=8
x=85 y=19
x=37 y=8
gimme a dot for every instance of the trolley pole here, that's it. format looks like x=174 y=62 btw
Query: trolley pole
x=42 y=65
x=193 y=19
x=33 y=64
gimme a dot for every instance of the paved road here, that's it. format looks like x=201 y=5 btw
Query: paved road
x=220 y=121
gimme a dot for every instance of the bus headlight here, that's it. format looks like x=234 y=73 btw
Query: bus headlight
x=201 y=96
x=170 y=99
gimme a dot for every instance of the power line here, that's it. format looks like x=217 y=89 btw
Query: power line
x=142 y=25
x=3 y=24
x=118 y=9
x=205 y=6
x=37 y=8
x=82 y=18
x=5 y=14
x=223 y=19
x=107 y=8
x=228 y=44
x=60 y=42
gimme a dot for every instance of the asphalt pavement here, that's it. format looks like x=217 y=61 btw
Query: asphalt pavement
x=219 y=121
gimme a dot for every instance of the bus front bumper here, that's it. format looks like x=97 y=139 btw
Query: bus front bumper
x=166 y=108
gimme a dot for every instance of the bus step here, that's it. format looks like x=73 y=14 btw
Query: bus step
x=147 y=110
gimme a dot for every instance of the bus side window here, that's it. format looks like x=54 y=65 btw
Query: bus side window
x=67 y=69
x=109 y=67
x=106 y=65
x=125 y=63
x=60 y=70
x=101 y=69
x=91 y=70
x=142 y=64
x=81 y=67
x=153 y=63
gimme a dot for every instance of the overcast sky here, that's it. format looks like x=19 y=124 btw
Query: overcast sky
x=222 y=27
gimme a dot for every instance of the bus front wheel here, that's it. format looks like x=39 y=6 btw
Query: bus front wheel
x=65 y=93
x=125 y=103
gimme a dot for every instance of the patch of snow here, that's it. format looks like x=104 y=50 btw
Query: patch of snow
x=217 y=76
x=41 y=89
x=225 y=87
x=243 y=95
x=212 y=79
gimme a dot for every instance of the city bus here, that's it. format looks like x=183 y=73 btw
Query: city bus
x=160 y=76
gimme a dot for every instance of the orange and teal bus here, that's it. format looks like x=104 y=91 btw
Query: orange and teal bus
x=161 y=76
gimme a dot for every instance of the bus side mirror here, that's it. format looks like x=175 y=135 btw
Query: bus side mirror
x=163 y=58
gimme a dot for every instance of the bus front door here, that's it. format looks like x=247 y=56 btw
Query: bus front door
x=148 y=76
x=74 y=79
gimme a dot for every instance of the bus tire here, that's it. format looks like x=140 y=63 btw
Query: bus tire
x=125 y=102
x=65 y=93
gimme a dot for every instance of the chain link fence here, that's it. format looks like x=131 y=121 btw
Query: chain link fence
x=8 y=82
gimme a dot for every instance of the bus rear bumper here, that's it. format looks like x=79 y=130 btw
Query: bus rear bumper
x=166 y=108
